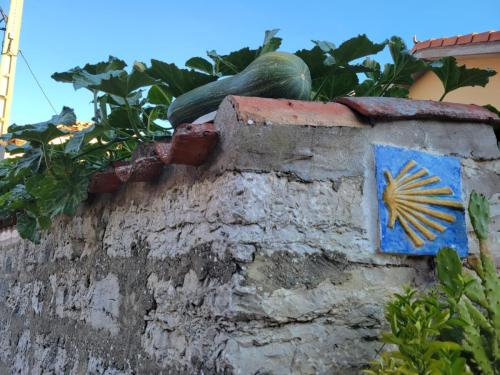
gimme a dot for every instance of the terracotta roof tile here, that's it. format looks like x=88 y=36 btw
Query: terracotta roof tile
x=422 y=45
x=253 y=110
x=494 y=36
x=481 y=37
x=485 y=37
x=436 y=42
x=450 y=41
x=464 y=39
x=391 y=109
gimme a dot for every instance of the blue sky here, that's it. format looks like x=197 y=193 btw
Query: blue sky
x=59 y=34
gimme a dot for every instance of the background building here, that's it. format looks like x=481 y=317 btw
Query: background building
x=479 y=50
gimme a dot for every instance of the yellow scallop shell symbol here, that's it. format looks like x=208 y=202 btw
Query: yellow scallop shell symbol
x=410 y=201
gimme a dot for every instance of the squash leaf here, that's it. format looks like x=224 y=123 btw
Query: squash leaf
x=200 y=64
x=453 y=76
x=355 y=48
x=332 y=71
x=75 y=143
x=90 y=74
x=236 y=61
x=232 y=63
x=271 y=43
x=176 y=80
x=404 y=64
x=27 y=227
x=340 y=83
x=395 y=77
x=159 y=94
x=42 y=132
x=62 y=191
x=124 y=84
x=31 y=160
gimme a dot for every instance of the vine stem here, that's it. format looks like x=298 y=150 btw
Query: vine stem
x=96 y=112
x=98 y=147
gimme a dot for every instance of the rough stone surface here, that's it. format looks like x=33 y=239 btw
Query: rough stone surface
x=262 y=262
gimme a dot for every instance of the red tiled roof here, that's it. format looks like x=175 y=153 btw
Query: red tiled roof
x=459 y=40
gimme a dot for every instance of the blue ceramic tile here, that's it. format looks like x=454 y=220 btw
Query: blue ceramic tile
x=424 y=194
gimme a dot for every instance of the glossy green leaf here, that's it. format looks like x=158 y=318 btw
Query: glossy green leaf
x=355 y=48
x=373 y=66
x=124 y=84
x=201 y=64
x=340 y=83
x=43 y=132
x=91 y=73
x=314 y=58
x=404 y=65
x=232 y=63
x=62 y=191
x=27 y=227
x=453 y=76
x=178 y=81
x=324 y=45
x=74 y=144
x=160 y=95
x=271 y=43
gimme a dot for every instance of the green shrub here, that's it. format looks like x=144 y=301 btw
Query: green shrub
x=456 y=328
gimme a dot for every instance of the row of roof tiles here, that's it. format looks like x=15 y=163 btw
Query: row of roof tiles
x=458 y=40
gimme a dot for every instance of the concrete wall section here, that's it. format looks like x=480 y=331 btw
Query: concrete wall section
x=262 y=261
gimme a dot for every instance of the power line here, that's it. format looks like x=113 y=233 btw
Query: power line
x=37 y=82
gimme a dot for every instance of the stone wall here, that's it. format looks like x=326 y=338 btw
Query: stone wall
x=262 y=261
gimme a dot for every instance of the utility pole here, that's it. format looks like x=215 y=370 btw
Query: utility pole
x=10 y=49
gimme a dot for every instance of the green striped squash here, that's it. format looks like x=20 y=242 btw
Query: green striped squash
x=272 y=75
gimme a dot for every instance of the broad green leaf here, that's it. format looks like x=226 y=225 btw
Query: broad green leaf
x=271 y=43
x=118 y=119
x=339 y=83
x=328 y=82
x=18 y=197
x=27 y=227
x=177 y=80
x=237 y=61
x=404 y=64
x=201 y=64
x=355 y=48
x=324 y=45
x=453 y=76
x=314 y=58
x=85 y=79
x=63 y=191
x=43 y=132
x=14 y=149
x=232 y=63
x=133 y=99
x=74 y=144
x=31 y=162
x=92 y=72
x=159 y=94
x=373 y=69
x=124 y=84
